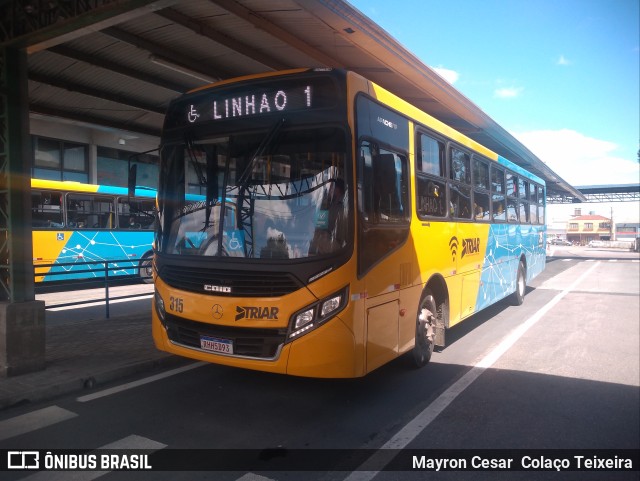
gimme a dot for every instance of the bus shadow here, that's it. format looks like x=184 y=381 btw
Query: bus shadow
x=460 y=330
x=291 y=413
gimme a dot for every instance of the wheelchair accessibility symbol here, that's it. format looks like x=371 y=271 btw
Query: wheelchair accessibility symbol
x=192 y=115
x=235 y=241
x=234 y=244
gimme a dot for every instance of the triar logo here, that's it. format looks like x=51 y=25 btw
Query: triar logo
x=261 y=313
x=470 y=246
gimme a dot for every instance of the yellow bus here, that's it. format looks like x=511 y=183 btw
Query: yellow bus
x=312 y=223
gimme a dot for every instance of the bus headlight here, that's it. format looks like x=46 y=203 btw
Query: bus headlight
x=303 y=318
x=330 y=305
x=160 y=306
x=314 y=315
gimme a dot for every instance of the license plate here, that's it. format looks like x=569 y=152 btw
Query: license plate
x=215 y=344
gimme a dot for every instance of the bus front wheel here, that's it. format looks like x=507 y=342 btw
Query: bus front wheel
x=425 y=330
x=145 y=271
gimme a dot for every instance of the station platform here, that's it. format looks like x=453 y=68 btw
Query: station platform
x=82 y=355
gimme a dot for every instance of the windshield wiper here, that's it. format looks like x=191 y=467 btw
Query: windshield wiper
x=188 y=141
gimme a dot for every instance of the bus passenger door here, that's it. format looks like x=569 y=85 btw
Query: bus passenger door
x=384 y=219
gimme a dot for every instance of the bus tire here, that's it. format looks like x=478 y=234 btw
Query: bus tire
x=145 y=270
x=517 y=298
x=425 y=331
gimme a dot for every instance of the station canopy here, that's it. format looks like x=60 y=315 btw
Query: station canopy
x=116 y=64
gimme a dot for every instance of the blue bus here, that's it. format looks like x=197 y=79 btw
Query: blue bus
x=74 y=224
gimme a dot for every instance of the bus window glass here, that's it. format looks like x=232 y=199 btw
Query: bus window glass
x=480 y=174
x=86 y=211
x=512 y=185
x=512 y=210
x=499 y=213
x=386 y=196
x=460 y=202
x=46 y=210
x=524 y=212
x=497 y=180
x=523 y=189
x=383 y=188
x=431 y=160
x=459 y=168
x=481 y=205
x=432 y=197
x=533 y=213
x=136 y=213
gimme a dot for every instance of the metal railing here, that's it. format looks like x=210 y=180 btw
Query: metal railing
x=93 y=273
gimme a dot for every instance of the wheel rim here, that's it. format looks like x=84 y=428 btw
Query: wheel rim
x=425 y=326
x=148 y=269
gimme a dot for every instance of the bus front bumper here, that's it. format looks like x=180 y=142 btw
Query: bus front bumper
x=326 y=352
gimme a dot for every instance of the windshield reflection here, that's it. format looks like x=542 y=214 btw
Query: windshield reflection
x=242 y=196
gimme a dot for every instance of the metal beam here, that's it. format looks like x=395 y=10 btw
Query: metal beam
x=231 y=43
x=274 y=30
x=16 y=256
x=177 y=58
x=94 y=120
x=96 y=93
x=118 y=68
x=38 y=25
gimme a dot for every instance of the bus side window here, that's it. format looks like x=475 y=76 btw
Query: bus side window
x=90 y=211
x=432 y=197
x=498 y=208
x=136 y=213
x=45 y=209
x=430 y=182
x=383 y=192
x=480 y=205
x=387 y=191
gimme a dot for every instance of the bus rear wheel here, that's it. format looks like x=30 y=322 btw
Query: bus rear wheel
x=425 y=330
x=517 y=298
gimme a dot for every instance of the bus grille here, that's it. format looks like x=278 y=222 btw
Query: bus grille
x=229 y=282
x=247 y=342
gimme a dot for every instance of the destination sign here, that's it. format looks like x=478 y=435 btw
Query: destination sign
x=278 y=96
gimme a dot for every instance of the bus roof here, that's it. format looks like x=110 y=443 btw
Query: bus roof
x=73 y=186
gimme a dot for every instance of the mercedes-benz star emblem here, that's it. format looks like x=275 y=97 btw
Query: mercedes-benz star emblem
x=217 y=311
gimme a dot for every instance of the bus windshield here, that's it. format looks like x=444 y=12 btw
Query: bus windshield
x=278 y=194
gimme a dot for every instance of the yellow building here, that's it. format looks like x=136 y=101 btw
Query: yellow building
x=582 y=229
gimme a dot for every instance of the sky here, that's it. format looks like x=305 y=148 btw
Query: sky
x=562 y=76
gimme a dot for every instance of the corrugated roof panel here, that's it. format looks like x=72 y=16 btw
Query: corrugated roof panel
x=117 y=62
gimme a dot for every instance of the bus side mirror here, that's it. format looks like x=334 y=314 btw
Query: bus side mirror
x=132 y=180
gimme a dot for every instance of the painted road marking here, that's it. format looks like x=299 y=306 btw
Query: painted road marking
x=32 y=421
x=372 y=466
x=139 y=382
